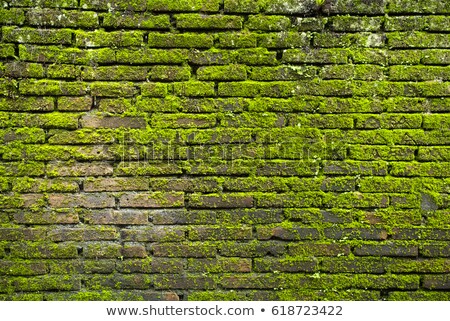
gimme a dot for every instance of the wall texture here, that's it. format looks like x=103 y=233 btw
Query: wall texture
x=225 y=150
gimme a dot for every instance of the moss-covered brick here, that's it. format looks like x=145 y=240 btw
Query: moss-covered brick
x=23 y=268
x=309 y=23
x=287 y=233
x=252 y=249
x=27 y=104
x=305 y=199
x=170 y=73
x=433 y=154
x=239 y=89
x=168 y=104
x=282 y=73
x=407 y=57
x=229 y=72
x=136 y=21
x=386 y=250
x=41 y=17
x=377 y=234
x=114 y=105
x=74 y=103
x=116 y=73
x=36 y=185
x=52 y=87
x=211 y=57
x=319 y=56
x=110 y=89
x=236 y=40
x=152 y=200
x=147 y=169
x=45 y=3
x=154 y=89
x=205 y=105
x=63 y=71
x=354 y=265
x=46 y=283
x=101 y=38
x=362 y=39
x=55 y=169
x=435 y=250
x=182 y=40
x=229 y=200
x=385 y=184
x=102 y=250
x=16 y=234
x=410 y=23
x=194 y=250
x=268 y=23
x=38 y=36
x=197 y=281
x=289 y=7
x=48 y=120
x=417 y=39
x=7 y=50
x=184 y=120
x=284 y=40
x=243 y=6
x=253 y=120
x=54 y=54
x=321 y=121
x=185 y=5
x=436 y=121
x=134 y=5
x=81 y=136
x=211 y=233
x=197 y=21
x=419 y=73
x=12 y=16
x=264 y=184
x=368 y=152
x=418 y=295
x=436 y=57
x=287 y=264
x=194 y=89
x=38 y=250
x=22 y=169
x=186 y=185
x=357 y=200
x=421 y=6
x=354 y=24
x=151 y=56
x=115 y=184
x=219 y=265
x=419 y=169
x=256 y=56
x=369 y=56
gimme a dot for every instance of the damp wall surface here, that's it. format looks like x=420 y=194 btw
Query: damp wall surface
x=225 y=150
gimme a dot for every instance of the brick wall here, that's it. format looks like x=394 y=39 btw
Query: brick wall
x=225 y=149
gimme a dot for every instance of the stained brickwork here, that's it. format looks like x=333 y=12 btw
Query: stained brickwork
x=225 y=150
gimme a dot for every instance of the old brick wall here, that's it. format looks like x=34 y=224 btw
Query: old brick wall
x=225 y=150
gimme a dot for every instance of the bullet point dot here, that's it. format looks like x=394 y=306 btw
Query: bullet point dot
x=262 y=310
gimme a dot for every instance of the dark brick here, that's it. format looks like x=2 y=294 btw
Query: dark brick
x=437 y=282
x=386 y=250
x=184 y=250
x=184 y=282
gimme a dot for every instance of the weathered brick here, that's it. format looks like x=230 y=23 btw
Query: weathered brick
x=38 y=36
x=97 y=200
x=220 y=200
x=62 y=18
x=184 y=250
x=152 y=200
x=45 y=251
x=438 y=282
x=184 y=282
x=220 y=233
x=139 y=21
x=79 y=169
x=156 y=234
